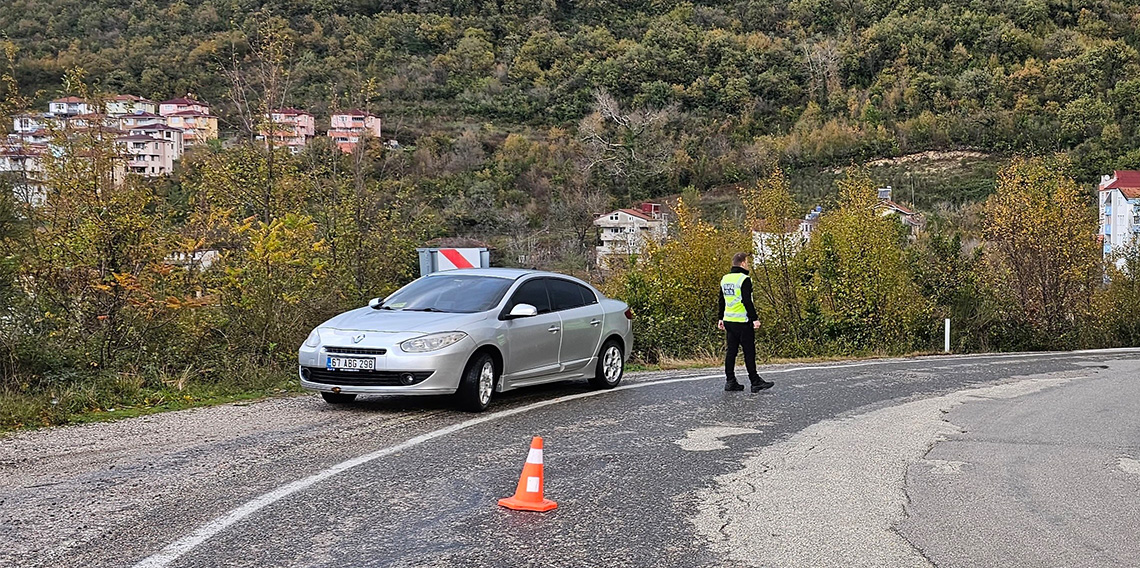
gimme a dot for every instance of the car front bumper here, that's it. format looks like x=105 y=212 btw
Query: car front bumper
x=443 y=370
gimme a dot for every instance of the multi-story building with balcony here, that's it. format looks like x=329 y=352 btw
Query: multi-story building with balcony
x=69 y=106
x=146 y=155
x=1119 y=201
x=163 y=132
x=183 y=104
x=291 y=128
x=192 y=118
x=347 y=128
x=21 y=163
x=624 y=232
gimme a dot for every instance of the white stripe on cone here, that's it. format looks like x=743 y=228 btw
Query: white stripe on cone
x=535 y=456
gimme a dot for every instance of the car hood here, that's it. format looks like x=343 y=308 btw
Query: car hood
x=396 y=321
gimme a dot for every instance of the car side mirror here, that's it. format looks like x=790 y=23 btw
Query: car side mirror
x=376 y=303
x=523 y=311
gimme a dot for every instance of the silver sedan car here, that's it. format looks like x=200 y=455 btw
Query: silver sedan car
x=470 y=333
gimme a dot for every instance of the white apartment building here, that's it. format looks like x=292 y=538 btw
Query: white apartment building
x=797 y=234
x=22 y=163
x=69 y=106
x=1119 y=206
x=147 y=156
x=164 y=132
x=625 y=232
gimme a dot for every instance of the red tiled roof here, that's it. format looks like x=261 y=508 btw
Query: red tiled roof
x=1127 y=181
x=141 y=115
x=69 y=100
x=897 y=207
x=188 y=113
x=637 y=214
x=353 y=112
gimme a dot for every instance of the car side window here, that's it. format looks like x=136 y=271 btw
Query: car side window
x=532 y=292
x=565 y=295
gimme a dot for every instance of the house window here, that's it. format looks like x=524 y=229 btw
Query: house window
x=614 y=217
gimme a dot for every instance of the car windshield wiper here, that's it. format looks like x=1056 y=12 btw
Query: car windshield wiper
x=425 y=310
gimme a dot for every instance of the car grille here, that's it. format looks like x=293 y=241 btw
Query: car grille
x=362 y=378
x=355 y=350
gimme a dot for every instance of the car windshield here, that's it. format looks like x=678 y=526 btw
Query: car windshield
x=459 y=293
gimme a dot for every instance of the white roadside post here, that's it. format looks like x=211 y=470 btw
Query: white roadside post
x=947 y=335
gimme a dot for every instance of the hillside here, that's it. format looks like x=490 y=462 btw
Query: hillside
x=812 y=82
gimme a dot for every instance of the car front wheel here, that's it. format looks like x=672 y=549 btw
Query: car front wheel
x=611 y=366
x=338 y=397
x=477 y=383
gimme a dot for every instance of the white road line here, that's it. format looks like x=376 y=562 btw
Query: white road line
x=176 y=549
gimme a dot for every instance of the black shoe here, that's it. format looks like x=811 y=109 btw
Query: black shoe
x=760 y=384
x=733 y=386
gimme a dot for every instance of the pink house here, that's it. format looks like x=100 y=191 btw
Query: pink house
x=292 y=128
x=347 y=128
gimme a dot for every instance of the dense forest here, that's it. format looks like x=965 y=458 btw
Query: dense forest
x=517 y=122
x=816 y=82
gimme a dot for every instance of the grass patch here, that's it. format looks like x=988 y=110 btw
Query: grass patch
x=106 y=397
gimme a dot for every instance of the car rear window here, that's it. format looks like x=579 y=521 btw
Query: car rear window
x=458 y=293
x=566 y=295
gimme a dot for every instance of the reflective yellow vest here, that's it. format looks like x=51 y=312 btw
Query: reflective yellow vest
x=733 y=303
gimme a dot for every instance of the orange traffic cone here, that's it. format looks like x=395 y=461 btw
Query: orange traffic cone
x=528 y=496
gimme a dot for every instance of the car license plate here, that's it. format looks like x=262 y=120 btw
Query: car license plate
x=351 y=363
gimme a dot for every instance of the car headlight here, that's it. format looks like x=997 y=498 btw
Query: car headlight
x=314 y=339
x=433 y=342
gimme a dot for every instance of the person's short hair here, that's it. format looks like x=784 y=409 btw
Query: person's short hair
x=739 y=258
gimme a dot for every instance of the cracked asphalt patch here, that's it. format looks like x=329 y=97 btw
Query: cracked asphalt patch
x=832 y=494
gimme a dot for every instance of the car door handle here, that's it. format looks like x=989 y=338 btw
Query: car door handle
x=595 y=322
x=553 y=329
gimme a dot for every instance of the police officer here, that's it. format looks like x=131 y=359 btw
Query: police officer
x=738 y=320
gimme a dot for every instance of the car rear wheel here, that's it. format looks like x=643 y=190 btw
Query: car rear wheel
x=477 y=384
x=338 y=397
x=611 y=366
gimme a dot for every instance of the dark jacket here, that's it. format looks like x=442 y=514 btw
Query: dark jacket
x=745 y=297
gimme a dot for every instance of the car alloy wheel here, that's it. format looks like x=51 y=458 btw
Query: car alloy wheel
x=611 y=366
x=486 y=382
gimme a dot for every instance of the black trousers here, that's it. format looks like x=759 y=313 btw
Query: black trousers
x=740 y=336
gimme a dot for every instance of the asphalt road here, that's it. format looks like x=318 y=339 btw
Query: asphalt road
x=1008 y=460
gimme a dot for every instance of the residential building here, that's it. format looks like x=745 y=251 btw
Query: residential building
x=626 y=231
x=796 y=234
x=196 y=127
x=164 y=132
x=147 y=156
x=137 y=119
x=173 y=106
x=888 y=208
x=347 y=128
x=1119 y=201
x=120 y=105
x=69 y=106
x=22 y=164
x=25 y=123
x=292 y=129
